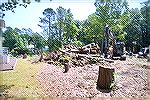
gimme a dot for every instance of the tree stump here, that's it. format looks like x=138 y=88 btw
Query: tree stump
x=148 y=58
x=41 y=57
x=66 y=67
x=105 y=78
x=24 y=56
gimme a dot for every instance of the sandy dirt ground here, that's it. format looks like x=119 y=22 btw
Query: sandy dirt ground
x=80 y=82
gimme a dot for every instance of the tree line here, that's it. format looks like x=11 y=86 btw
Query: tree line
x=19 y=40
x=59 y=27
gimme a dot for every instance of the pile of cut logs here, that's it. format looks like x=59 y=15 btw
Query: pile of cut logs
x=72 y=56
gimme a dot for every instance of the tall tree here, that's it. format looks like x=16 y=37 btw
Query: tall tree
x=47 y=25
x=61 y=12
x=14 y=41
x=38 y=41
x=70 y=30
x=145 y=11
x=133 y=29
x=111 y=12
x=26 y=37
x=115 y=14
x=10 y=38
x=92 y=29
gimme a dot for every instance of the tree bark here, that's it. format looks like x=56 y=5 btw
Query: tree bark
x=24 y=56
x=66 y=67
x=41 y=56
x=105 y=78
x=148 y=58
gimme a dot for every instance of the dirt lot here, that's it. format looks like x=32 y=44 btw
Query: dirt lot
x=48 y=82
x=79 y=82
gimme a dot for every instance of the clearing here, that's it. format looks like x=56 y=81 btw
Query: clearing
x=45 y=81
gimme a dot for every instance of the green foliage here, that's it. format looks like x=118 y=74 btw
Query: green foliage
x=91 y=30
x=145 y=23
x=18 y=51
x=115 y=76
x=54 y=44
x=133 y=29
x=113 y=13
x=59 y=26
x=78 y=43
x=38 y=41
x=27 y=38
x=66 y=25
x=10 y=38
x=64 y=59
x=127 y=25
x=70 y=32
x=13 y=40
x=121 y=36
x=14 y=53
x=18 y=44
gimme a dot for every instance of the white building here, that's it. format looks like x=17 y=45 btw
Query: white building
x=4 y=58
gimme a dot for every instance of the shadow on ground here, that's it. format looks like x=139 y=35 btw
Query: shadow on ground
x=4 y=92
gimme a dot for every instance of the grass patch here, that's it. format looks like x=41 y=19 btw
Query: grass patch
x=22 y=79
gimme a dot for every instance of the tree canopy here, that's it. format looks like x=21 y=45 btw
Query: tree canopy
x=59 y=27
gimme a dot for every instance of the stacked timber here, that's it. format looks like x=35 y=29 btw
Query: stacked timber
x=72 y=56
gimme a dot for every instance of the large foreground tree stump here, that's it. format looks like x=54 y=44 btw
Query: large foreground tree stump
x=105 y=78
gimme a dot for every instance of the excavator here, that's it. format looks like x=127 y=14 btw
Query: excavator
x=116 y=49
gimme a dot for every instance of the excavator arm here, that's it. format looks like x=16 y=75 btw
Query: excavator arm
x=111 y=50
x=116 y=48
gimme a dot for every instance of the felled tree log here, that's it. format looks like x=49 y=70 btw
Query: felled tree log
x=109 y=60
x=93 y=51
x=105 y=78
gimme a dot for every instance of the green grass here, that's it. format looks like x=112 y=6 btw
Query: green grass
x=21 y=81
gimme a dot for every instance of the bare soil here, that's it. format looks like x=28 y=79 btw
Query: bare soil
x=131 y=80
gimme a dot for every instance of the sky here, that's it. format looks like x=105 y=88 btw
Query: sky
x=29 y=17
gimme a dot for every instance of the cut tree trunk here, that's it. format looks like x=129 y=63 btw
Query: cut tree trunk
x=24 y=56
x=66 y=67
x=148 y=58
x=41 y=56
x=105 y=78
